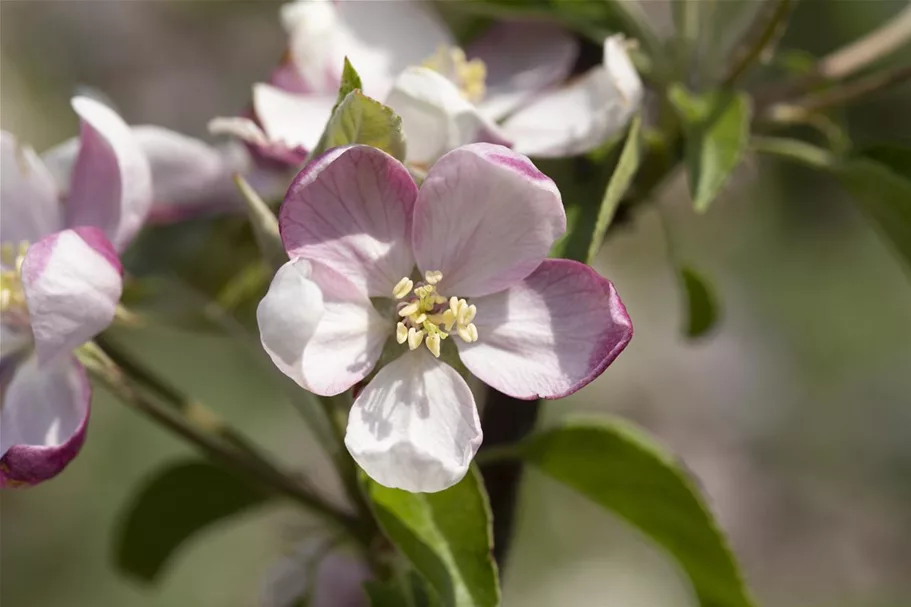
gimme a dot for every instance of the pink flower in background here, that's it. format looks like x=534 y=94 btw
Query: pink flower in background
x=456 y=272
x=61 y=282
x=508 y=87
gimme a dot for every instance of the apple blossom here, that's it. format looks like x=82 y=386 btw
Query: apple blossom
x=61 y=282
x=502 y=90
x=456 y=273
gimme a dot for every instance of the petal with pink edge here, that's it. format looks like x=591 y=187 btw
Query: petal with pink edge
x=72 y=283
x=415 y=426
x=549 y=335
x=436 y=117
x=29 y=203
x=348 y=339
x=522 y=58
x=44 y=418
x=485 y=217
x=582 y=115
x=351 y=210
x=112 y=181
x=288 y=316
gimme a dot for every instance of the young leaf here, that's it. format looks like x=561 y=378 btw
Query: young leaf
x=446 y=536
x=717 y=129
x=619 y=467
x=617 y=186
x=351 y=81
x=177 y=503
x=360 y=119
x=701 y=303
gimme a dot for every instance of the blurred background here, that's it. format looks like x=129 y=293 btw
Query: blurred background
x=795 y=413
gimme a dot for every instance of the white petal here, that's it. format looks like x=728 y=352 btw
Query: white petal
x=582 y=115
x=485 y=217
x=379 y=38
x=288 y=315
x=522 y=58
x=348 y=339
x=289 y=120
x=415 y=426
x=436 y=117
x=72 y=283
x=43 y=420
x=29 y=203
x=549 y=335
x=111 y=185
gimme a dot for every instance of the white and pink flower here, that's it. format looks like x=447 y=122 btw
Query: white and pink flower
x=508 y=87
x=61 y=282
x=456 y=272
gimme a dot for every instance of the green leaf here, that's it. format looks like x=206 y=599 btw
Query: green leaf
x=351 y=81
x=701 y=303
x=360 y=119
x=717 y=129
x=617 y=186
x=878 y=179
x=384 y=594
x=177 y=503
x=880 y=182
x=619 y=467
x=446 y=536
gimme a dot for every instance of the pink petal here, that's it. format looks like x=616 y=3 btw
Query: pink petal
x=435 y=116
x=288 y=315
x=351 y=210
x=522 y=58
x=415 y=426
x=485 y=217
x=29 y=203
x=549 y=335
x=348 y=339
x=44 y=418
x=72 y=284
x=112 y=181
x=582 y=115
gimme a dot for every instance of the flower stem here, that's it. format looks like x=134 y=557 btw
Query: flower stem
x=202 y=428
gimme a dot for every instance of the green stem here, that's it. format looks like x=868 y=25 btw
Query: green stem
x=333 y=408
x=211 y=436
x=766 y=29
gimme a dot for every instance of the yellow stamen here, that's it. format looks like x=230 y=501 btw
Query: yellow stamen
x=468 y=76
x=433 y=344
x=410 y=309
x=403 y=288
x=415 y=337
x=401 y=333
x=433 y=276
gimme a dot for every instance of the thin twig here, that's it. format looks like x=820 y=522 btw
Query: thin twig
x=766 y=28
x=876 y=82
x=212 y=441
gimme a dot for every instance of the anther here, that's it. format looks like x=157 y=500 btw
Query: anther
x=403 y=288
x=410 y=309
x=433 y=344
x=415 y=337
x=401 y=333
x=433 y=277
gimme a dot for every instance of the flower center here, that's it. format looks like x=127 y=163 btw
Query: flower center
x=12 y=296
x=469 y=76
x=428 y=317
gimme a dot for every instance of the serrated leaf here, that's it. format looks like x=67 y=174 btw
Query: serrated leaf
x=619 y=467
x=619 y=183
x=176 y=504
x=350 y=82
x=701 y=303
x=446 y=536
x=360 y=119
x=717 y=127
